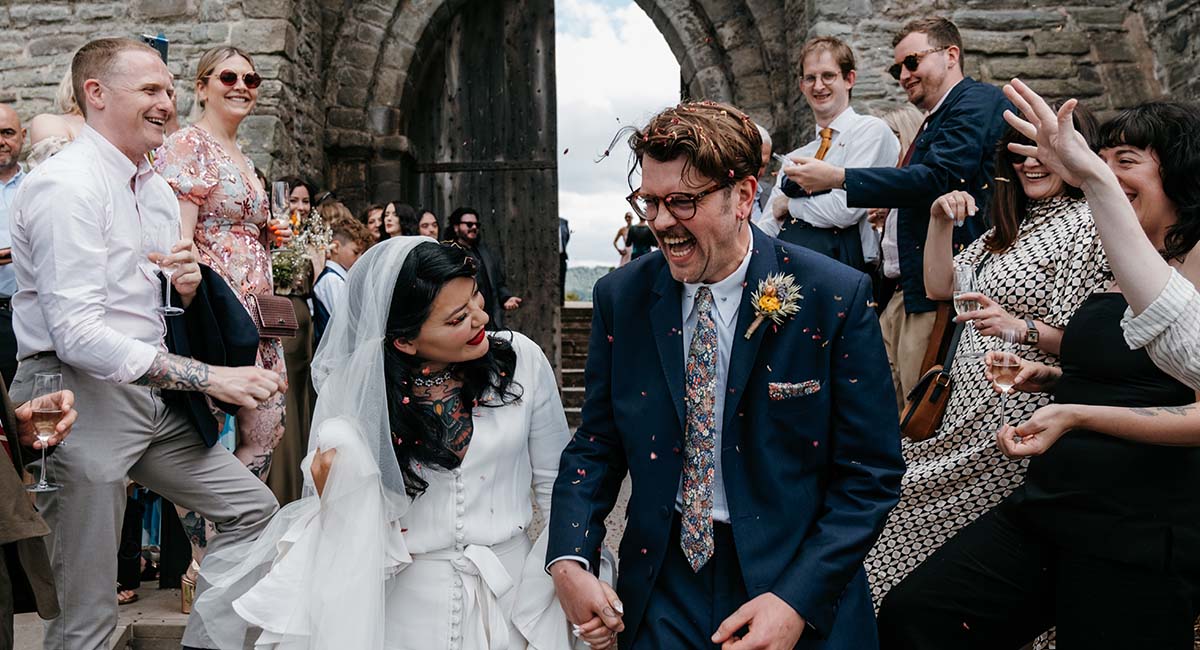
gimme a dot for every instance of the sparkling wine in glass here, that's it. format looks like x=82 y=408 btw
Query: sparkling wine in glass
x=1005 y=366
x=964 y=282
x=158 y=236
x=279 y=206
x=47 y=411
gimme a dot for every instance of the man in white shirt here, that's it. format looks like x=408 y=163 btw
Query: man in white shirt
x=822 y=221
x=12 y=139
x=86 y=307
x=764 y=189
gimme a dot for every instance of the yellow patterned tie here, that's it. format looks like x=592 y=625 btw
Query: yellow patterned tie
x=826 y=138
x=696 y=534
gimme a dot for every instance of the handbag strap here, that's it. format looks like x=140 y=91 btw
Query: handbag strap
x=948 y=362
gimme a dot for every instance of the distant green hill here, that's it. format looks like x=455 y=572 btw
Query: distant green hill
x=581 y=279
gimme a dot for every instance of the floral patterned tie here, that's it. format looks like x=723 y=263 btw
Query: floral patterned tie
x=696 y=537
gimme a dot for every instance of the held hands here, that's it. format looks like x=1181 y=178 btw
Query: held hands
x=814 y=175
x=512 y=303
x=1059 y=147
x=990 y=319
x=246 y=386
x=591 y=606
x=1032 y=377
x=186 y=278
x=954 y=206
x=26 y=435
x=1039 y=432
x=773 y=625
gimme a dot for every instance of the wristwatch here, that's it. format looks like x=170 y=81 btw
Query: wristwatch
x=1031 y=332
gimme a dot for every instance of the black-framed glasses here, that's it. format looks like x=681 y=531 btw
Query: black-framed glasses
x=229 y=78
x=912 y=61
x=469 y=224
x=681 y=205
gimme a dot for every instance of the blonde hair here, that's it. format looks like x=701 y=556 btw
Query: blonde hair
x=95 y=60
x=64 y=97
x=905 y=121
x=211 y=59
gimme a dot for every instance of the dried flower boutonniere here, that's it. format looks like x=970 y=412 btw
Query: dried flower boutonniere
x=777 y=298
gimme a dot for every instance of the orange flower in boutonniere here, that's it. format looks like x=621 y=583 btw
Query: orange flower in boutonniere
x=777 y=298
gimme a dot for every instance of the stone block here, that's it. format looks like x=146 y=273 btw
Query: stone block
x=745 y=61
x=1061 y=42
x=383 y=120
x=1065 y=88
x=344 y=118
x=159 y=9
x=44 y=13
x=268 y=8
x=370 y=34
x=1032 y=67
x=1114 y=47
x=1128 y=85
x=357 y=56
x=100 y=11
x=982 y=42
x=352 y=96
x=210 y=34
x=265 y=37
x=1099 y=17
x=393 y=144
x=260 y=133
x=57 y=44
x=1007 y=19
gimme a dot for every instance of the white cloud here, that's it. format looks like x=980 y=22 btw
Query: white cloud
x=614 y=68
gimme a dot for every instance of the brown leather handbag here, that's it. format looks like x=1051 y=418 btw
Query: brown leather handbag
x=928 y=399
x=274 y=316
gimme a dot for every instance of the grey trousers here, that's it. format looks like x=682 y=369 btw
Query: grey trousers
x=127 y=430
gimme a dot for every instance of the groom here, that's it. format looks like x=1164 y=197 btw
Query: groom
x=764 y=459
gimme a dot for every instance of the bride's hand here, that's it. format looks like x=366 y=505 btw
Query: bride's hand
x=322 y=461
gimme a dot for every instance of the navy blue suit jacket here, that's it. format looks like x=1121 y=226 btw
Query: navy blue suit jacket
x=955 y=151
x=809 y=480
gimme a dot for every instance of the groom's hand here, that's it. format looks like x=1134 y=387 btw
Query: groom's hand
x=584 y=597
x=773 y=625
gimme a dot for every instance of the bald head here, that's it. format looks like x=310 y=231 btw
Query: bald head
x=12 y=138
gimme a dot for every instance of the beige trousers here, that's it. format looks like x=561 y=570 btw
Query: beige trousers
x=905 y=336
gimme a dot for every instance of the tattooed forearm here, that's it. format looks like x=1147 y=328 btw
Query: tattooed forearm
x=1160 y=410
x=175 y=373
x=193 y=526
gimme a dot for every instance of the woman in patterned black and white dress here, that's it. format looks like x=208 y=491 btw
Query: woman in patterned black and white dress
x=1044 y=259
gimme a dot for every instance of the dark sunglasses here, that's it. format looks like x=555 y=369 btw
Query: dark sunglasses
x=469 y=224
x=912 y=61
x=229 y=78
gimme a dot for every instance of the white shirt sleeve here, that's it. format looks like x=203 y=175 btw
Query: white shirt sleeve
x=329 y=290
x=873 y=145
x=767 y=222
x=1169 y=329
x=66 y=229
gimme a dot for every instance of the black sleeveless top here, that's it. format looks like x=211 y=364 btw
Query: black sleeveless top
x=1105 y=496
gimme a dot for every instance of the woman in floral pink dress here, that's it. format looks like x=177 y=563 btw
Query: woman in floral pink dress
x=226 y=211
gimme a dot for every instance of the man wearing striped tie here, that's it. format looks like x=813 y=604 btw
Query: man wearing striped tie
x=821 y=220
x=737 y=380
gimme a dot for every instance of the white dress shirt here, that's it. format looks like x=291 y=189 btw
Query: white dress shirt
x=1169 y=329
x=8 y=193
x=87 y=291
x=330 y=286
x=727 y=298
x=858 y=141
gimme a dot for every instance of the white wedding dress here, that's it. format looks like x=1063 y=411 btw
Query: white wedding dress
x=363 y=568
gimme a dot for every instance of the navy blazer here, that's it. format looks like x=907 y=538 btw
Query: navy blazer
x=955 y=151
x=217 y=330
x=809 y=479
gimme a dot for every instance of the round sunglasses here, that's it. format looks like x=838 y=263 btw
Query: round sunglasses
x=912 y=62
x=229 y=78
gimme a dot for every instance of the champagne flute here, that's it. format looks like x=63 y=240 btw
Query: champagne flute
x=158 y=236
x=964 y=282
x=47 y=411
x=1005 y=366
x=279 y=204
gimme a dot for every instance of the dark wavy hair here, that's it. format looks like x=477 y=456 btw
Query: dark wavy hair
x=408 y=220
x=455 y=218
x=1009 y=204
x=1171 y=131
x=417 y=436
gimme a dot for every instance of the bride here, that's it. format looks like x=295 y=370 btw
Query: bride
x=428 y=436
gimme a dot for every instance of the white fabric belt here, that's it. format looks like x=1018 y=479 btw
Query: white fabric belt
x=484 y=582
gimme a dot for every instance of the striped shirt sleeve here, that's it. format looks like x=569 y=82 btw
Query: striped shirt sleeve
x=1169 y=329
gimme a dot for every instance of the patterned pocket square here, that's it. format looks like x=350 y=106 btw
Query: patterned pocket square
x=780 y=390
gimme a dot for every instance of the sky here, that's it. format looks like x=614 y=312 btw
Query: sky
x=613 y=69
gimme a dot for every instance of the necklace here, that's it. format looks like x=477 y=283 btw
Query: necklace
x=434 y=379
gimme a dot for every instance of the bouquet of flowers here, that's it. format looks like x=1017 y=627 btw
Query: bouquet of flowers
x=291 y=264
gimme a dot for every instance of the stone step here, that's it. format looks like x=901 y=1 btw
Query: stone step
x=574 y=347
x=572 y=378
x=574 y=417
x=574 y=359
x=572 y=397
